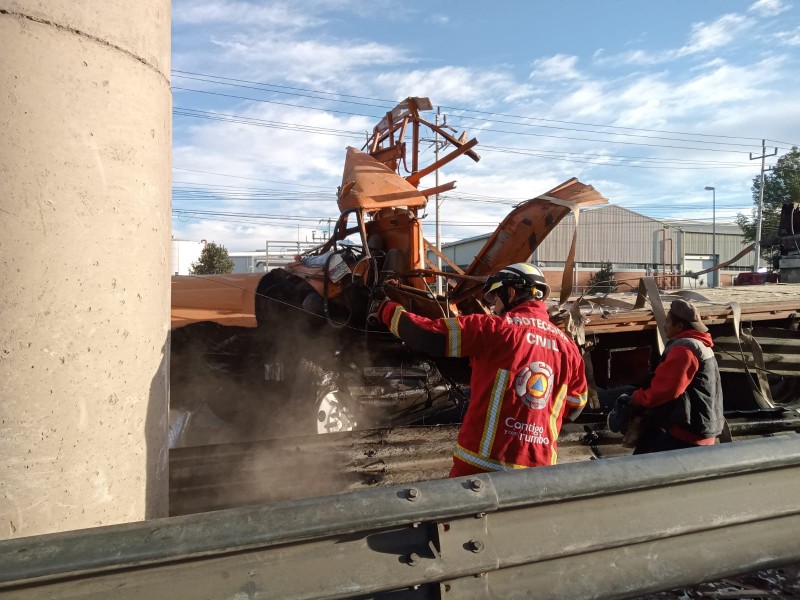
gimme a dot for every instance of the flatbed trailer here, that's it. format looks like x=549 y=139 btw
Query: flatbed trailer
x=620 y=333
x=757 y=303
x=754 y=328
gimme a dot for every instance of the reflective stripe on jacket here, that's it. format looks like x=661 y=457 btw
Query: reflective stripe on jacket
x=525 y=372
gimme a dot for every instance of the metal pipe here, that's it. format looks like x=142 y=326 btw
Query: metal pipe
x=664 y=240
x=713 y=191
x=438 y=206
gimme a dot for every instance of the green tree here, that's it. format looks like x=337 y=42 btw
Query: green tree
x=603 y=281
x=213 y=260
x=781 y=185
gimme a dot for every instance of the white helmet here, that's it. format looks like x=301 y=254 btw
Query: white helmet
x=520 y=276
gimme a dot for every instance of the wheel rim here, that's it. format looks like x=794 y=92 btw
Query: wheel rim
x=332 y=416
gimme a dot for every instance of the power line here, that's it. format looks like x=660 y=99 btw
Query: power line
x=602 y=159
x=257 y=86
x=462 y=195
x=190 y=192
x=246 y=120
x=265 y=219
x=387 y=103
x=539 y=154
x=248 y=178
x=327 y=110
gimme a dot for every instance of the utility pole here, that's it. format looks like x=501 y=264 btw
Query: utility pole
x=760 y=211
x=438 y=225
x=327 y=234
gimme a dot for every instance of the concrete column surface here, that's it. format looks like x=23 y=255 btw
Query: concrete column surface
x=85 y=165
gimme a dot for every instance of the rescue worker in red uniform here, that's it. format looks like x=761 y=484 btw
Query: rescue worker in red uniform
x=527 y=376
x=682 y=403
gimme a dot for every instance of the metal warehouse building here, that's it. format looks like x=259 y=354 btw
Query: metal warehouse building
x=634 y=244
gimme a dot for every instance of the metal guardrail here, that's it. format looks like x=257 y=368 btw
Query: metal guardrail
x=221 y=476
x=612 y=528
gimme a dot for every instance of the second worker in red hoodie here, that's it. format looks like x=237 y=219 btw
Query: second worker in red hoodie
x=683 y=402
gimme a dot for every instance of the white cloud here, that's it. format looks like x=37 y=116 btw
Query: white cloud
x=451 y=85
x=438 y=19
x=723 y=31
x=585 y=100
x=244 y=14
x=274 y=40
x=789 y=38
x=312 y=61
x=259 y=159
x=769 y=8
x=704 y=37
x=301 y=154
x=721 y=90
x=557 y=67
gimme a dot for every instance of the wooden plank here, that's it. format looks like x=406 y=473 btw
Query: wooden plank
x=389 y=153
x=457 y=143
x=415 y=178
x=451 y=264
x=445 y=187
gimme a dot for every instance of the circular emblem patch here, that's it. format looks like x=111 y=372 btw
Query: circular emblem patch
x=534 y=384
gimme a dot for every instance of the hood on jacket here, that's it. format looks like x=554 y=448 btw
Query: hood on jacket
x=696 y=335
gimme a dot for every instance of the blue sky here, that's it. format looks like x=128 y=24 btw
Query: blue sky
x=647 y=101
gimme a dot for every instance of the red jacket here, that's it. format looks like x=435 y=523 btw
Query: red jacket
x=525 y=372
x=671 y=378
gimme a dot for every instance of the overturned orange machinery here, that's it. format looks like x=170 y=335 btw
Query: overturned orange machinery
x=311 y=337
x=378 y=237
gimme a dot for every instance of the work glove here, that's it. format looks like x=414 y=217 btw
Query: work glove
x=376 y=310
x=620 y=415
x=634 y=429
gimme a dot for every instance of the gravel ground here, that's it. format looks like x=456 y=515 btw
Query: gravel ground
x=781 y=583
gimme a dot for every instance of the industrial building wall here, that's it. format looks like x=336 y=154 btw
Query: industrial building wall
x=600 y=236
x=636 y=246
x=250 y=262
x=184 y=254
x=727 y=246
x=462 y=253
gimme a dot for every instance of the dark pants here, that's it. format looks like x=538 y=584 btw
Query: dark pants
x=659 y=441
x=652 y=438
x=607 y=396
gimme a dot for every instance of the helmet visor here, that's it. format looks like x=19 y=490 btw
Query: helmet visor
x=490 y=297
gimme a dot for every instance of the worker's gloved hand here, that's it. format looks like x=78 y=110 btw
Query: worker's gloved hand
x=375 y=310
x=620 y=415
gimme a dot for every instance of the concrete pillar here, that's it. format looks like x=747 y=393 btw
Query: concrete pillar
x=85 y=115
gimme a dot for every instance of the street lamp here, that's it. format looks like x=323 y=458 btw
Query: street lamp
x=713 y=190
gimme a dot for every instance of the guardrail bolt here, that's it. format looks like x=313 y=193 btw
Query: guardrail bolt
x=413 y=559
x=476 y=546
x=476 y=484
x=413 y=494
